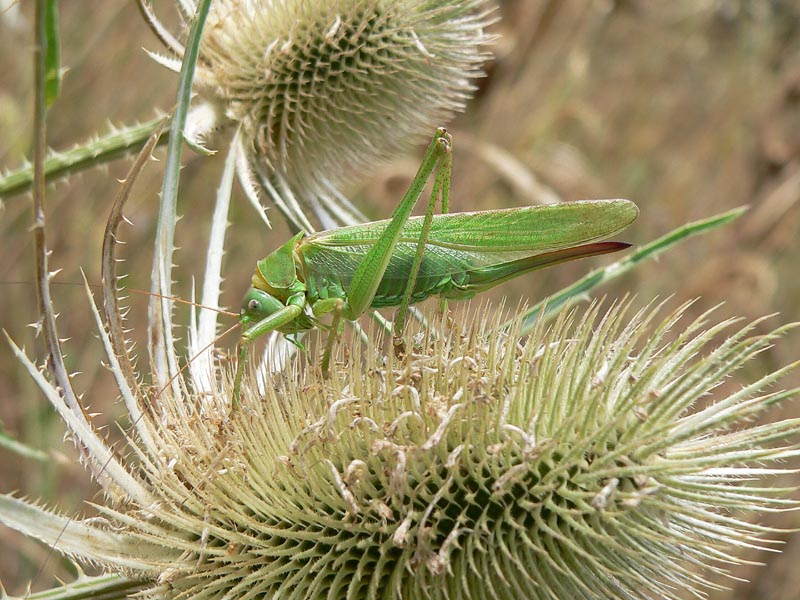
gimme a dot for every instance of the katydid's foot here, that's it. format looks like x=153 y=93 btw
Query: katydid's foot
x=399 y=347
x=237 y=380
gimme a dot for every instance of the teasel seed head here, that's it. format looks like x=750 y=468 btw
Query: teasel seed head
x=325 y=90
x=599 y=458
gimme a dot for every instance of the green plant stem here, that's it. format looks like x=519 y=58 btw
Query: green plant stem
x=102 y=587
x=59 y=165
x=162 y=347
x=580 y=289
x=20 y=449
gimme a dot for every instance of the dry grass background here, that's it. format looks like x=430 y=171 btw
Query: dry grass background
x=687 y=107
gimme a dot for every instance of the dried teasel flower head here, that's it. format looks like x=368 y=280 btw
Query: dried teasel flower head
x=325 y=90
x=578 y=463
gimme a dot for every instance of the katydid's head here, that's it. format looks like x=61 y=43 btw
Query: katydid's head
x=258 y=304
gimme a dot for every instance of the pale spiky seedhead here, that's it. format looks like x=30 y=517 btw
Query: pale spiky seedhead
x=575 y=464
x=325 y=90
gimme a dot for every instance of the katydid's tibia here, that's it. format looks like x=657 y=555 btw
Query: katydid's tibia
x=405 y=259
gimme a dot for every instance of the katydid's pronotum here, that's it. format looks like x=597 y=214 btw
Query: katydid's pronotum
x=406 y=259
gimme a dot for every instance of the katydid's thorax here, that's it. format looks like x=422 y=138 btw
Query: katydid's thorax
x=288 y=271
x=322 y=281
x=279 y=274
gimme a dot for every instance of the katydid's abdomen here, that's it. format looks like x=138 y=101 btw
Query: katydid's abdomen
x=439 y=272
x=442 y=273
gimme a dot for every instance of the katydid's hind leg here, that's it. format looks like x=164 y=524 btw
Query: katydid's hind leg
x=369 y=273
x=440 y=192
x=333 y=336
x=447 y=168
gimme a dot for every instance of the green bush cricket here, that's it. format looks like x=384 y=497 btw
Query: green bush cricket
x=404 y=259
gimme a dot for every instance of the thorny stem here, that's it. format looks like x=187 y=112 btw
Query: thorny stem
x=96 y=453
x=162 y=351
x=90 y=154
x=55 y=361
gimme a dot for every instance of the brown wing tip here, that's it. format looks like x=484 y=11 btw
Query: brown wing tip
x=594 y=249
x=606 y=247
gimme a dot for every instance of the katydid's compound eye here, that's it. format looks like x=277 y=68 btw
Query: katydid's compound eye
x=253 y=303
x=258 y=304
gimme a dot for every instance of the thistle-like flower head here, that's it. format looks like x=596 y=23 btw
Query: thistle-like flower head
x=327 y=88
x=575 y=464
x=324 y=91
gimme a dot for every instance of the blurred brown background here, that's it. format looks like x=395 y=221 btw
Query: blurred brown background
x=688 y=108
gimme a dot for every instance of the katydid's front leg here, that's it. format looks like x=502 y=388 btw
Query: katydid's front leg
x=332 y=337
x=370 y=272
x=293 y=309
